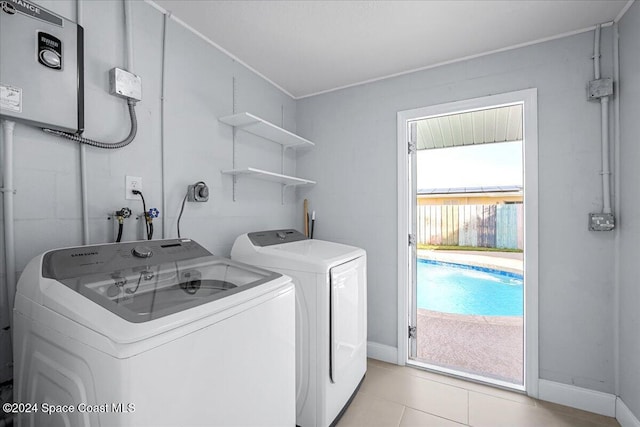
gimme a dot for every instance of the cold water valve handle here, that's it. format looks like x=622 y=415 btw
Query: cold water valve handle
x=149 y=215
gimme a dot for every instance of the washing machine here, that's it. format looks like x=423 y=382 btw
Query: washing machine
x=153 y=333
x=331 y=317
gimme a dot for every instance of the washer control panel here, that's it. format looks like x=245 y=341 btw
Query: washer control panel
x=112 y=258
x=275 y=237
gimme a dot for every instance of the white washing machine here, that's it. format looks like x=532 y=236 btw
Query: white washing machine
x=154 y=333
x=331 y=316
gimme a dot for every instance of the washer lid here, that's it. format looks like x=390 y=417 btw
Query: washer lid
x=143 y=281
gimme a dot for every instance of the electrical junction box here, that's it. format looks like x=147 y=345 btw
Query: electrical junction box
x=601 y=222
x=599 y=88
x=41 y=70
x=125 y=84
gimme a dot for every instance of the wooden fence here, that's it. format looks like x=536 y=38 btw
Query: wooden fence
x=489 y=226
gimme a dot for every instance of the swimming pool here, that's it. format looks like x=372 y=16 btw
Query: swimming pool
x=464 y=289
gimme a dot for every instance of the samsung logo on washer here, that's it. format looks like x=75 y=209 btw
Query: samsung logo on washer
x=84 y=254
x=11 y=6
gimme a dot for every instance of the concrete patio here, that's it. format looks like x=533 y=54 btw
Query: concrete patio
x=489 y=346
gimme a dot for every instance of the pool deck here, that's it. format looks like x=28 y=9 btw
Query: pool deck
x=505 y=261
x=490 y=346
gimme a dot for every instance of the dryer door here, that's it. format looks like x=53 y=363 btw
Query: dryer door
x=348 y=329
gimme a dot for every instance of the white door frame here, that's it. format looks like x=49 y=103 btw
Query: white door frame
x=530 y=136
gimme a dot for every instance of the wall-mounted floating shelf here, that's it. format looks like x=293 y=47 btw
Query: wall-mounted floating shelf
x=257 y=126
x=286 y=180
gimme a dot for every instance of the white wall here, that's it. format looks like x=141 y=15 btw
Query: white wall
x=630 y=209
x=355 y=166
x=198 y=91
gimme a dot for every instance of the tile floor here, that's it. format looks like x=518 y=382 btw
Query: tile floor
x=401 y=396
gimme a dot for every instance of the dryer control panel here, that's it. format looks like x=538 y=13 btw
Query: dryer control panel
x=275 y=237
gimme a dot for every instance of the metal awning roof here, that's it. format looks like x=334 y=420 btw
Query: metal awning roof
x=467 y=190
x=502 y=124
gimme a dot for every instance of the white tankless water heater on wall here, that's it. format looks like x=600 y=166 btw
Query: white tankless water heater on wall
x=41 y=71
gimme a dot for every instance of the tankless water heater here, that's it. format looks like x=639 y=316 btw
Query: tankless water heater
x=41 y=67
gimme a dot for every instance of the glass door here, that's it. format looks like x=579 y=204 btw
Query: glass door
x=466 y=244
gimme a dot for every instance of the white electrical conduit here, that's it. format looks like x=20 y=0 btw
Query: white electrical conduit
x=596 y=53
x=84 y=192
x=128 y=24
x=604 y=117
x=616 y=187
x=166 y=17
x=4 y=297
x=9 y=236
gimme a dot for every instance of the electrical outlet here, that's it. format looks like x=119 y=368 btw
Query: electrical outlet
x=601 y=222
x=132 y=183
x=198 y=192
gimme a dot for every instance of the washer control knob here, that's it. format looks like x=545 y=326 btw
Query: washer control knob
x=142 y=252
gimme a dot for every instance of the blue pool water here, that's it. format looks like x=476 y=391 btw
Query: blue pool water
x=463 y=289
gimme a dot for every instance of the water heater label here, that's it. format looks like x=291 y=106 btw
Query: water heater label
x=11 y=98
x=29 y=9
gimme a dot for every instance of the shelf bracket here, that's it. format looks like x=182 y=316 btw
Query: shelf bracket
x=284 y=188
x=234 y=130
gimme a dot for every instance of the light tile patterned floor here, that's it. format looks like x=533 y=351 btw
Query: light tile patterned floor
x=401 y=396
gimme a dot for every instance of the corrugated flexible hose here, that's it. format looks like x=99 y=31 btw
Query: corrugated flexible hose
x=98 y=144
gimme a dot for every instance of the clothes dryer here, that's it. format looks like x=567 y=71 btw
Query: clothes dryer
x=331 y=316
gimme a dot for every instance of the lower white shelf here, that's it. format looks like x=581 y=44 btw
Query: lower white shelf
x=269 y=176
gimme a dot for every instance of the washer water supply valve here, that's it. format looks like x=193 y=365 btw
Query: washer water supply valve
x=149 y=215
x=120 y=216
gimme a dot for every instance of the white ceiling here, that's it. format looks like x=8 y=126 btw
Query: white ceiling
x=308 y=47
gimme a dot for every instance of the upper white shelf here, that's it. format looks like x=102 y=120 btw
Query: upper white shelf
x=270 y=176
x=257 y=126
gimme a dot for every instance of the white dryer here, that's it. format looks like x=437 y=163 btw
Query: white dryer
x=154 y=333
x=331 y=316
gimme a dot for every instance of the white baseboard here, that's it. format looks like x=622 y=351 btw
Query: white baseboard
x=382 y=352
x=577 y=397
x=625 y=417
